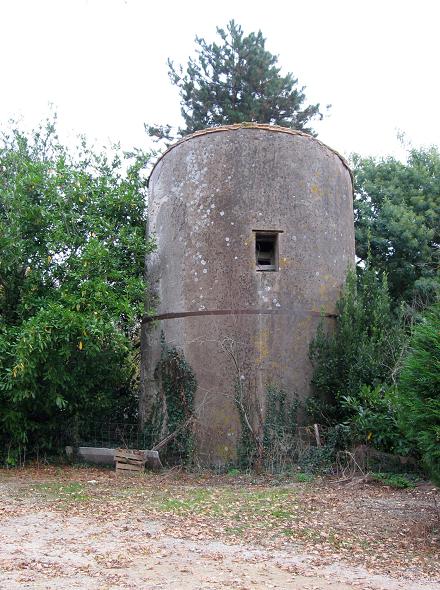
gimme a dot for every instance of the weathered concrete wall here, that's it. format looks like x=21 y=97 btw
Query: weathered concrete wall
x=208 y=195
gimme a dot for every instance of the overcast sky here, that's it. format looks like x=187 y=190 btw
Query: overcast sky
x=102 y=63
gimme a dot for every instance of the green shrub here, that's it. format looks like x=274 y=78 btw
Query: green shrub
x=355 y=363
x=317 y=460
x=394 y=480
x=72 y=243
x=304 y=477
x=279 y=429
x=419 y=390
x=374 y=418
x=272 y=441
x=322 y=459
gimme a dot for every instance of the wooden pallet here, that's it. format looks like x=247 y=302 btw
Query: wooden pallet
x=129 y=461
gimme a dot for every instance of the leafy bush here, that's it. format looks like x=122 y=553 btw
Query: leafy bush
x=270 y=443
x=374 y=418
x=419 y=390
x=394 y=480
x=317 y=460
x=72 y=246
x=355 y=365
x=304 y=477
x=280 y=424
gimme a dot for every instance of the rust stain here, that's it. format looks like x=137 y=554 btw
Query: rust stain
x=207 y=312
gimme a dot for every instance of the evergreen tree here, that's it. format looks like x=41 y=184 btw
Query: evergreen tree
x=356 y=364
x=234 y=81
x=365 y=346
x=397 y=221
x=419 y=390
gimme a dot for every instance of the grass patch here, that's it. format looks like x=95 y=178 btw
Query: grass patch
x=71 y=492
x=268 y=508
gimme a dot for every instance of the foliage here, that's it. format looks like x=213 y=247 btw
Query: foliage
x=317 y=460
x=71 y=284
x=250 y=449
x=419 y=389
x=320 y=460
x=267 y=438
x=356 y=364
x=280 y=424
x=366 y=345
x=236 y=80
x=304 y=477
x=174 y=405
x=373 y=418
x=397 y=221
x=394 y=480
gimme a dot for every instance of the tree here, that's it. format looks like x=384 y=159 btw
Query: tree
x=397 y=221
x=71 y=285
x=419 y=390
x=234 y=81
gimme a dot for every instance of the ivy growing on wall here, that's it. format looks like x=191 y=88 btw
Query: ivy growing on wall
x=174 y=405
x=269 y=442
x=279 y=424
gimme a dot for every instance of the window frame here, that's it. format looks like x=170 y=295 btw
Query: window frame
x=273 y=236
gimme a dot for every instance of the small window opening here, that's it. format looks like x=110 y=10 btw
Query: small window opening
x=266 y=251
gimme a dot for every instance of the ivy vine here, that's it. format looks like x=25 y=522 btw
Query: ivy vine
x=174 y=405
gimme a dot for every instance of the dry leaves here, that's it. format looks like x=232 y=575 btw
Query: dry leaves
x=386 y=531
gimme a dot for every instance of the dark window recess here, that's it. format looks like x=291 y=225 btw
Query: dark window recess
x=266 y=250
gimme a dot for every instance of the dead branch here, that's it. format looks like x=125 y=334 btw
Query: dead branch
x=167 y=439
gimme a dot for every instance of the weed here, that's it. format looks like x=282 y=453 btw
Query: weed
x=287 y=533
x=394 y=480
x=71 y=492
x=304 y=477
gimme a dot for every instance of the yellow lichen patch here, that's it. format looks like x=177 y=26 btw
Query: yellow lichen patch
x=262 y=345
x=284 y=262
x=316 y=190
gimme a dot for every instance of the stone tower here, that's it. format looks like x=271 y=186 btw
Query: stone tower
x=254 y=231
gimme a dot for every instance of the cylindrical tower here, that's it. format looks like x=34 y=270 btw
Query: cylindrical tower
x=254 y=230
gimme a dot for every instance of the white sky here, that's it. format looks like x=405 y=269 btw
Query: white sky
x=102 y=63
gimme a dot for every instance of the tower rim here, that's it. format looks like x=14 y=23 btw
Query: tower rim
x=241 y=126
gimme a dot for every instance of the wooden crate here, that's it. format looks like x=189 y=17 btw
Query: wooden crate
x=129 y=461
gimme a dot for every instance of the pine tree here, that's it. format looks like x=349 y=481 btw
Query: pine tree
x=234 y=81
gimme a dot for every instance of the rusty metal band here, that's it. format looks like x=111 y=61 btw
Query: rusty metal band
x=213 y=312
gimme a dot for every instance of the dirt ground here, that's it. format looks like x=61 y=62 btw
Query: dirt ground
x=88 y=528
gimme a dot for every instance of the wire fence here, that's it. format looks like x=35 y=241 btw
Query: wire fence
x=109 y=435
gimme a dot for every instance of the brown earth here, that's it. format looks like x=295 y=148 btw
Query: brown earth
x=87 y=528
